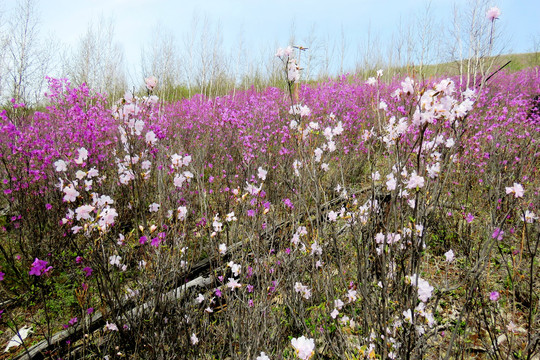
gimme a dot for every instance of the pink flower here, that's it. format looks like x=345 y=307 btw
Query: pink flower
x=233 y=284
x=415 y=181
x=494 y=296
x=151 y=82
x=517 y=190
x=493 y=13
x=2 y=276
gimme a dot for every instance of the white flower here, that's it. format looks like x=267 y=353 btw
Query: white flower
x=371 y=81
x=517 y=190
x=151 y=137
x=200 y=298
x=154 y=207
x=230 y=217
x=304 y=347
x=332 y=215
x=233 y=284
x=70 y=193
x=83 y=212
x=351 y=295
x=115 y=260
x=60 y=165
x=194 y=339
x=182 y=212
x=222 y=249
x=262 y=356
x=449 y=255
x=415 y=181
x=83 y=155
x=334 y=313
x=111 y=326
x=529 y=217
x=407 y=314
x=262 y=173
x=338 y=304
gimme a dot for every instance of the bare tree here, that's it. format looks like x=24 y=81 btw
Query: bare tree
x=98 y=60
x=473 y=39
x=27 y=60
x=161 y=60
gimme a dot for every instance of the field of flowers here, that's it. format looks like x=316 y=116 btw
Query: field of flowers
x=349 y=219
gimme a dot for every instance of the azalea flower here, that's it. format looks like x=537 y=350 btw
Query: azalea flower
x=304 y=347
x=493 y=13
x=334 y=313
x=263 y=356
x=222 y=249
x=194 y=339
x=60 y=165
x=70 y=193
x=494 y=296
x=529 y=217
x=83 y=212
x=200 y=298
x=415 y=181
x=517 y=190
x=111 y=326
x=449 y=255
x=83 y=155
x=233 y=284
x=115 y=260
x=261 y=173
x=151 y=82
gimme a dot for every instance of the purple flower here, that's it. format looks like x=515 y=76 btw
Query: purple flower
x=218 y=293
x=48 y=206
x=494 y=296
x=72 y=321
x=2 y=276
x=497 y=234
x=143 y=239
x=90 y=310
x=88 y=271
x=469 y=218
x=251 y=213
x=39 y=267
x=155 y=242
x=288 y=203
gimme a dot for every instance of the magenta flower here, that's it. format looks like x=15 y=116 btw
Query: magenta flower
x=497 y=234
x=88 y=271
x=39 y=267
x=494 y=296
x=288 y=203
x=2 y=276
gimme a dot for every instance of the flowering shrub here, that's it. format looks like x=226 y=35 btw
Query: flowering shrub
x=300 y=223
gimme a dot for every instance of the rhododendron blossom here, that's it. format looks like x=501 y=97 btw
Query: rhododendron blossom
x=493 y=13
x=304 y=347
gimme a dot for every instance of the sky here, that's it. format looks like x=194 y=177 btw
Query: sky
x=266 y=24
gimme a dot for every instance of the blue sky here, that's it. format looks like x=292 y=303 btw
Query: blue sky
x=263 y=24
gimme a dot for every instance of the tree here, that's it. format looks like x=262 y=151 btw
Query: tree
x=27 y=60
x=98 y=60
